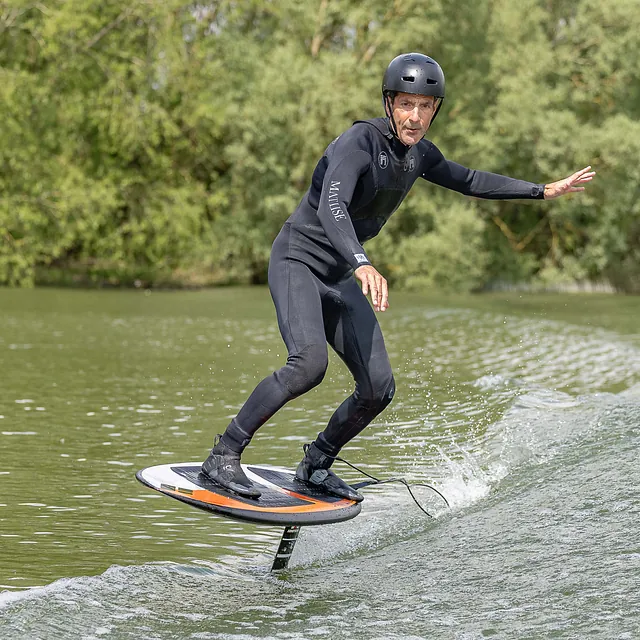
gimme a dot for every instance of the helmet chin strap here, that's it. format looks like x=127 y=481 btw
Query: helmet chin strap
x=440 y=101
x=388 y=108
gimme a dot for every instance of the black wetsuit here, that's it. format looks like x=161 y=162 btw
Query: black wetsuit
x=359 y=182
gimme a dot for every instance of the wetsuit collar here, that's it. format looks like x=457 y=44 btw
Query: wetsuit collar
x=384 y=127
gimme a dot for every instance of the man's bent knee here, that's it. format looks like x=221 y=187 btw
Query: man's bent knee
x=379 y=395
x=305 y=369
x=387 y=396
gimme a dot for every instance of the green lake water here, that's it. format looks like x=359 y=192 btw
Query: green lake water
x=523 y=410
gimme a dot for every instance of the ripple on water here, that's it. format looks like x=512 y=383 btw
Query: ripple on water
x=19 y=433
x=503 y=415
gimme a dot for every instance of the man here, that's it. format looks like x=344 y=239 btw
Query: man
x=358 y=183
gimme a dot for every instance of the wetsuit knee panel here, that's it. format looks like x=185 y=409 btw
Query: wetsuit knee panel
x=305 y=369
x=389 y=392
x=378 y=395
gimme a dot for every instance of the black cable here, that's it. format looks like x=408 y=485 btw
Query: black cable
x=389 y=480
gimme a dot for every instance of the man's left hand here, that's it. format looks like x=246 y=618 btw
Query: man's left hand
x=374 y=283
x=569 y=185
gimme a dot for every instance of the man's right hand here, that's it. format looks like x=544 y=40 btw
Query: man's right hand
x=373 y=282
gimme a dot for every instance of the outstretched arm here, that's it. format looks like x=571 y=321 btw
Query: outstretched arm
x=572 y=184
x=472 y=182
x=481 y=184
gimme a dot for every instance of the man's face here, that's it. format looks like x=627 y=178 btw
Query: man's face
x=412 y=115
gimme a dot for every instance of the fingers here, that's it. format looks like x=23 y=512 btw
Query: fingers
x=373 y=285
x=587 y=177
x=584 y=175
x=571 y=183
x=379 y=292
x=384 y=296
x=376 y=285
x=579 y=173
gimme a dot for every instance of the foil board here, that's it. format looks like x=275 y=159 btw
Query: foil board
x=285 y=501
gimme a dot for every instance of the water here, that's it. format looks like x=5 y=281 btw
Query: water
x=523 y=411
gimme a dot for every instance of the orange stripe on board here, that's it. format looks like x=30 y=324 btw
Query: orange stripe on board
x=209 y=497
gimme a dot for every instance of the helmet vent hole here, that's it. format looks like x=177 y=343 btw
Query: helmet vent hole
x=409 y=78
x=431 y=81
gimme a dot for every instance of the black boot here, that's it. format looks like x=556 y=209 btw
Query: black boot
x=314 y=469
x=223 y=467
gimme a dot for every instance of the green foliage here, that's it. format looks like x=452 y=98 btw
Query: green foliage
x=167 y=143
x=451 y=256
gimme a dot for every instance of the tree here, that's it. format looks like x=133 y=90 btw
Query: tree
x=167 y=143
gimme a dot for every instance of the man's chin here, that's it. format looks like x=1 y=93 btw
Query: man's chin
x=409 y=139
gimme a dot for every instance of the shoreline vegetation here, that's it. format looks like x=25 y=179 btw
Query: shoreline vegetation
x=183 y=280
x=166 y=143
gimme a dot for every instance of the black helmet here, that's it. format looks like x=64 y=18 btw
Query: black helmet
x=412 y=73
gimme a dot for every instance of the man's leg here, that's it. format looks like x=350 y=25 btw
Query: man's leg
x=353 y=331
x=298 y=305
x=356 y=337
x=295 y=293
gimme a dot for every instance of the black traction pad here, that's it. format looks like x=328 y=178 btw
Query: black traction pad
x=270 y=497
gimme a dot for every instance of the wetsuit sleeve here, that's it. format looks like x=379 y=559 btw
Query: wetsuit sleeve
x=480 y=184
x=339 y=184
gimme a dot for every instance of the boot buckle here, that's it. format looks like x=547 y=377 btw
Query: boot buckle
x=318 y=476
